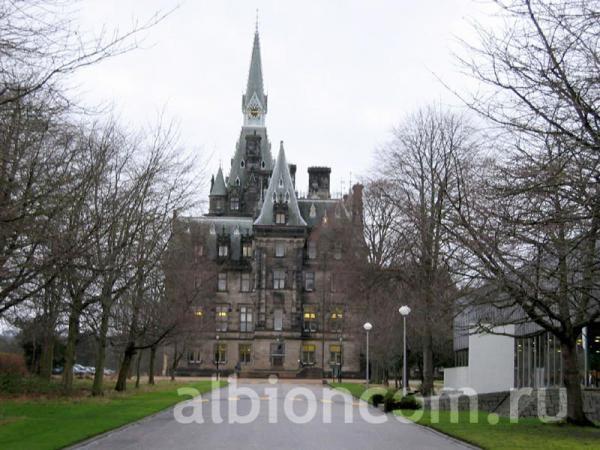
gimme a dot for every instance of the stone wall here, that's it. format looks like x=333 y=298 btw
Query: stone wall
x=551 y=402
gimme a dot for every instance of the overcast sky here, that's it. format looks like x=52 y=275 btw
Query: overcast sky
x=339 y=74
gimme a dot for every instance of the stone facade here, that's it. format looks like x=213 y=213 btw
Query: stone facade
x=272 y=276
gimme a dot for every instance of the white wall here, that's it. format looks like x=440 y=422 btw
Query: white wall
x=456 y=377
x=492 y=361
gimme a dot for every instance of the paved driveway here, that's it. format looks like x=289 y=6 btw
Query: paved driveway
x=279 y=410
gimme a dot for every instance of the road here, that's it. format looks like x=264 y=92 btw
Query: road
x=275 y=414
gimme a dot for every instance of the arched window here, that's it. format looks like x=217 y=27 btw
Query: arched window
x=237 y=181
x=287 y=197
x=242 y=164
x=280 y=182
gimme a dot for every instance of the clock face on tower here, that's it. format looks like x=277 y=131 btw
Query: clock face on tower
x=254 y=112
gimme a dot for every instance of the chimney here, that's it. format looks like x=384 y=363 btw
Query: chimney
x=292 y=168
x=357 y=204
x=318 y=182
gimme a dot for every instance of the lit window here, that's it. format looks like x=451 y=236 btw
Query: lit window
x=335 y=354
x=280 y=218
x=308 y=354
x=337 y=317
x=278 y=279
x=310 y=319
x=198 y=312
x=279 y=249
x=222 y=313
x=234 y=204
x=223 y=250
x=245 y=351
x=247 y=249
x=245 y=282
x=220 y=353
x=222 y=282
x=312 y=250
x=246 y=322
x=309 y=281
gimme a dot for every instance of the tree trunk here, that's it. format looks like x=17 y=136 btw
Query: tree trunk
x=151 y=365
x=47 y=357
x=427 y=386
x=137 y=369
x=71 y=346
x=571 y=379
x=125 y=366
x=98 y=387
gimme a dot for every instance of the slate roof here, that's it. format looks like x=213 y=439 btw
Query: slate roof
x=255 y=78
x=265 y=150
x=219 y=185
x=282 y=188
x=313 y=210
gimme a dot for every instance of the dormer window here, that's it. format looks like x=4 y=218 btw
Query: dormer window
x=242 y=164
x=223 y=250
x=262 y=165
x=280 y=218
x=287 y=197
x=237 y=181
x=280 y=182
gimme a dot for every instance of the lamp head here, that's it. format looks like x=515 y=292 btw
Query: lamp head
x=404 y=310
x=367 y=326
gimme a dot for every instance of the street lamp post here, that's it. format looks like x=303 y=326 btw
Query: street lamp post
x=341 y=359
x=368 y=327
x=218 y=356
x=404 y=311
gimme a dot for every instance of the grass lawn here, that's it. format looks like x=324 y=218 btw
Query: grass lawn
x=53 y=423
x=528 y=434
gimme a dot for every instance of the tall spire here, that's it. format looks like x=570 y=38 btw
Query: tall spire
x=254 y=101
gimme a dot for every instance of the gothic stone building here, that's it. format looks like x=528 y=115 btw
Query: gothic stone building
x=273 y=273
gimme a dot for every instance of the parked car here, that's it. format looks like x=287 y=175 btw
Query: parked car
x=57 y=370
x=79 y=370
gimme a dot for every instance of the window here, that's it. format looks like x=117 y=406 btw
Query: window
x=222 y=282
x=237 y=181
x=222 y=314
x=245 y=283
x=246 y=322
x=245 y=350
x=279 y=249
x=242 y=164
x=277 y=354
x=280 y=182
x=308 y=354
x=199 y=313
x=337 y=250
x=247 y=249
x=223 y=250
x=280 y=218
x=335 y=354
x=278 y=279
x=287 y=197
x=194 y=357
x=337 y=317
x=234 y=204
x=198 y=250
x=219 y=204
x=262 y=165
x=312 y=250
x=310 y=319
x=278 y=320
x=309 y=281
x=461 y=358
x=220 y=353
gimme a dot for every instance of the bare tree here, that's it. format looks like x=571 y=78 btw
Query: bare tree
x=531 y=227
x=420 y=167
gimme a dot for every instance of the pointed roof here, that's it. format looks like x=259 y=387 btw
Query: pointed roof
x=282 y=189
x=219 y=185
x=255 y=79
